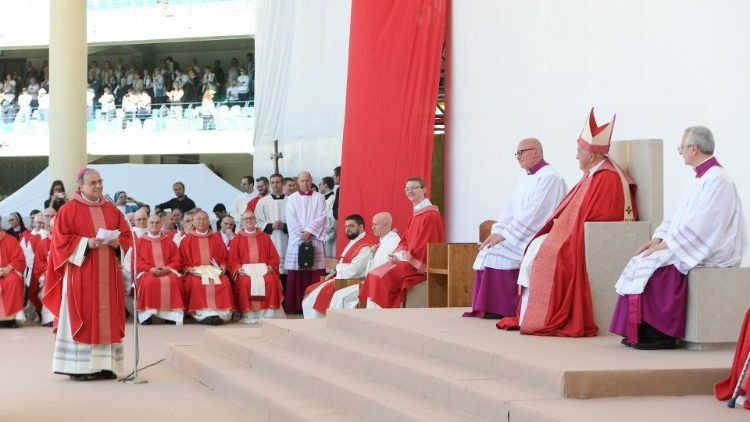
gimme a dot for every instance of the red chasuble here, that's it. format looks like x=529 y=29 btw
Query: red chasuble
x=39 y=267
x=559 y=301
x=11 y=286
x=158 y=292
x=198 y=249
x=255 y=248
x=724 y=389
x=251 y=204
x=95 y=292
x=323 y=301
x=386 y=285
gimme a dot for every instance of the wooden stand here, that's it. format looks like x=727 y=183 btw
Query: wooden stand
x=450 y=277
x=342 y=283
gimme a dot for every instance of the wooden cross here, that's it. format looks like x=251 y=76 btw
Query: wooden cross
x=276 y=155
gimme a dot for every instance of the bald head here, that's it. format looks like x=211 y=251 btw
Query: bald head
x=382 y=224
x=200 y=221
x=304 y=179
x=529 y=153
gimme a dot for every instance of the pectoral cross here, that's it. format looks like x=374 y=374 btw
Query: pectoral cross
x=276 y=155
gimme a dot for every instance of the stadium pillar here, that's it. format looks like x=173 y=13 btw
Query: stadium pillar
x=67 y=73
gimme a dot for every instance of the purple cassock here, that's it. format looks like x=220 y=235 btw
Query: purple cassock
x=495 y=291
x=663 y=305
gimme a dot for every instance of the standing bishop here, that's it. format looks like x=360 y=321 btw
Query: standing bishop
x=160 y=291
x=207 y=287
x=83 y=287
x=254 y=265
x=385 y=286
x=556 y=298
x=706 y=229
x=495 y=291
x=306 y=220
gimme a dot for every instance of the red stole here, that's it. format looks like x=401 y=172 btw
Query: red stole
x=425 y=226
x=251 y=204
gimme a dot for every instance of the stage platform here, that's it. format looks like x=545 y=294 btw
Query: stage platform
x=431 y=364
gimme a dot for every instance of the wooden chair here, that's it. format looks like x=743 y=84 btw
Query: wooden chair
x=342 y=283
x=450 y=276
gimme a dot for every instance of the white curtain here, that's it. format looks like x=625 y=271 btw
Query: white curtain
x=302 y=51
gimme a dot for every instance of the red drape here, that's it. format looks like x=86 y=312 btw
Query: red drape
x=395 y=50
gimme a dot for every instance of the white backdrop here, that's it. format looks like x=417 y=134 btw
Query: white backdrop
x=534 y=68
x=302 y=51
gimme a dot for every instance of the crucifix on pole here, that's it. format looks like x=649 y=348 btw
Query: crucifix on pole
x=276 y=155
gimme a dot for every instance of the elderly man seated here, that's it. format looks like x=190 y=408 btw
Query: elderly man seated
x=12 y=265
x=159 y=284
x=254 y=265
x=707 y=229
x=204 y=259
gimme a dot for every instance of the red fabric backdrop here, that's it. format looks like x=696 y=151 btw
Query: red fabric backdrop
x=395 y=50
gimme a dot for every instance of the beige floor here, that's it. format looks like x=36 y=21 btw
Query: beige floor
x=29 y=391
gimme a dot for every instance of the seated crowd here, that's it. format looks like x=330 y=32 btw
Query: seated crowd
x=530 y=273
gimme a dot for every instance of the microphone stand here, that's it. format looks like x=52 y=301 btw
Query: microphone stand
x=134 y=378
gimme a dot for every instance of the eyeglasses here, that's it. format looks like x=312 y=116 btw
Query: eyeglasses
x=681 y=147
x=520 y=152
x=248 y=219
x=412 y=188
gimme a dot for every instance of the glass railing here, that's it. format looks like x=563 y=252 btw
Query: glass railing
x=120 y=4
x=230 y=115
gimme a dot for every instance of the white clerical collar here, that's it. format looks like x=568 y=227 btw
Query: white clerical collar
x=43 y=233
x=153 y=236
x=422 y=205
x=352 y=242
x=593 y=170
x=249 y=232
x=389 y=234
x=88 y=200
x=202 y=233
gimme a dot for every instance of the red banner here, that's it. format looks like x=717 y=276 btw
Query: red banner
x=395 y=49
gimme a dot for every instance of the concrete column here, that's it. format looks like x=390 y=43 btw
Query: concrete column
x=67 y=74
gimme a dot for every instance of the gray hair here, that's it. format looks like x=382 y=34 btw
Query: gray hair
x=701 y=137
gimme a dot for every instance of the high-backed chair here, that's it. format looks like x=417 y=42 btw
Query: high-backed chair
x=610 y=245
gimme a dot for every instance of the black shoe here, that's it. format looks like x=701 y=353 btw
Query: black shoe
x=107 y=375
x=9 y=324
x=216 y=320
x=666 y=344
x=625 y=342
x=49 y=324
x=168 y=322
x=490 y=315
x=147 y=321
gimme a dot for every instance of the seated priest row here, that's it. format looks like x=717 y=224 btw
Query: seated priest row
x=385 y=286
x=556 y=298
x=707 y=229
x=352 y=264
x=540 y=190
x=254 y=265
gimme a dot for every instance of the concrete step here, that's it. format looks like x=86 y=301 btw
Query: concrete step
x=264 y=398
x=352 y=391
x=483 y=395
x=568 y=367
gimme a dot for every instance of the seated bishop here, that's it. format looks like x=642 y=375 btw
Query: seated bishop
x=208 y=289
x=12 y=266
x=254 y=265
x=385 y=286
x=160 y=292
x=352 y=264
x=556 y=298
x=495 y=292
x=706 y=229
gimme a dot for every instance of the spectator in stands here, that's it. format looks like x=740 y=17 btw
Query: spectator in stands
x=129 y=107
x=209 y=79
x=220 y=77
x=208 y=110
x=234 y=71
x=181 y=78
x=16 y=226
x=43 y=106
x=148 y=83
x=180 y=200
x=45 y=82
x=56 y=195
x=192 y=88
x=9 y=86
x=24 y=107
x=107 y=101
x=30 y=71
x=90 y=95
x=233 y=93
x=119 y=91
x=144 y=106
x=194 y=66
x=175 y=97
x=33 y=90
x=137 y=82
x=243 y=85
x=160 y=91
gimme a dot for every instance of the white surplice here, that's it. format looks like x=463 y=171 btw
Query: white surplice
x=706 y=229
x=331 y=227
x=532 y=203
x=269 y=209
x=240 y=204
x=305 y=213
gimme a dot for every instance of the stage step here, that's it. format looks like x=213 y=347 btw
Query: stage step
x=262 y=396
x=567 y=367
x=354 y=392
x=484 y=396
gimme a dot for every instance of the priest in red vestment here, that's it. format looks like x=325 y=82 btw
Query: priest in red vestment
x=159 y=284
x=83 y=287
x=39 y=267
x=12 y=266
x=724 y=389
x=254 y=265
x=385 y=286
x=204 y=260
x=556 y=299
